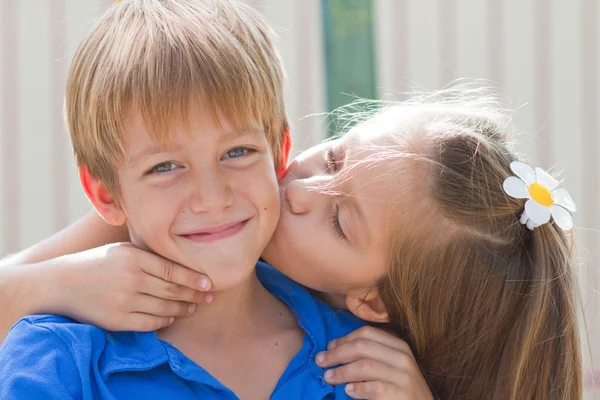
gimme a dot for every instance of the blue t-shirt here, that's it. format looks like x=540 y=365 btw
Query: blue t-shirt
x=53 y=357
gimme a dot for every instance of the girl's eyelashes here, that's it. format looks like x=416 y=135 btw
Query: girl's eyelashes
x=335 y=222
x=330 y=161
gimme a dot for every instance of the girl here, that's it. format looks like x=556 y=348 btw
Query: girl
x=415 y=220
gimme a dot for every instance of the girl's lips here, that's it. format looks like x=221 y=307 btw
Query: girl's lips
x=213 y=234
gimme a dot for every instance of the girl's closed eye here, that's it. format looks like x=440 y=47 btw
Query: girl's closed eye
x=335 y=221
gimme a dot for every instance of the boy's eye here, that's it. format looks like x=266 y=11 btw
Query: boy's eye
x=163 y=167
x=238 y=152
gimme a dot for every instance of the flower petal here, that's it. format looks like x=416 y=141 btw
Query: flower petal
x=545 y=179
x=515 y=187
x=563 y=198
x=524 y=217
x=536 y=212
x=531 y=225
x=562 y=217
x=523 y=171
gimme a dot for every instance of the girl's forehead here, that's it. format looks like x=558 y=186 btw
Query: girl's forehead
x=372 y=139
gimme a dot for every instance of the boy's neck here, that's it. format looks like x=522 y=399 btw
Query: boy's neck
x=236 y=313
x=243 y=327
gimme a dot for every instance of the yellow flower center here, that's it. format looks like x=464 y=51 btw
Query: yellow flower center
x=541 y=195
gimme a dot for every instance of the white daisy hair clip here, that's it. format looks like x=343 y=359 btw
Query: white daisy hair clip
x=545 y=199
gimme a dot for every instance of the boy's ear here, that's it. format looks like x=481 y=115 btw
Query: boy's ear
x=103 y=201
x=367 y=305
x=286 y=147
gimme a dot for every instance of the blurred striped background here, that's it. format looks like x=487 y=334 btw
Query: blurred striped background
x=543 y=53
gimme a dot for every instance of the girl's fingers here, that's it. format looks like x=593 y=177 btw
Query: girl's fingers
x=150 y=305
x=146 y=323
x=375 y=335
x=172 y=272
x=365 y=370
x=358 y=349
x=376 y=390
x=157 y=287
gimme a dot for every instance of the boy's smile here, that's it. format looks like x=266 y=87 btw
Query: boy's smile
x=214 y=233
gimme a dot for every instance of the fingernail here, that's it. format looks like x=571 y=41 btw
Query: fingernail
x=328 y=375
x=171 y=320
x=209 y=298
x=320 y=358
x=332 y=344
x=349 y=388
x=204 y=284
x=191 y=308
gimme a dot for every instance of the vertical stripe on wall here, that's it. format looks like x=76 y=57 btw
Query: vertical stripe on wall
x=447 y=31
x=304 y=55
x=81 y=16
x=349 y=51
x=495 y=37
x=590 y=109
x=59 y=62
x=543 y=86
x=2 y=186
x=591 y=175
x=520 y=74
x=391 y=32
x=35 y=127
x=470 y=43
x=11 y=225
x=309 y=89
x=400 y=57
x=565 y=97
x=424 y=43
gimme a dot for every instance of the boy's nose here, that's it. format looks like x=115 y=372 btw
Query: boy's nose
x=210 y=193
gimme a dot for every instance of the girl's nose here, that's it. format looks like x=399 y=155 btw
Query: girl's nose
x=303 y=195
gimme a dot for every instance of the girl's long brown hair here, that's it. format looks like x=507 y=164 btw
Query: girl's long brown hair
x=488 y=306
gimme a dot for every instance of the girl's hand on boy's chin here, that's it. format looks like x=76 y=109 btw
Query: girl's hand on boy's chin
x=120 y=287
x=376 y=366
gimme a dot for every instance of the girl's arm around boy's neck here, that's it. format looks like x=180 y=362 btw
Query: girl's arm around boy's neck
x=31 y=279
x=26 y=289
x=86 y=273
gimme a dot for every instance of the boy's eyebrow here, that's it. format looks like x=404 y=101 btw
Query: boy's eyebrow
x=152 y=149
x=236 y=133
x=158 y=148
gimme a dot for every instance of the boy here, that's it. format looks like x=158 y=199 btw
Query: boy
x=175 y=111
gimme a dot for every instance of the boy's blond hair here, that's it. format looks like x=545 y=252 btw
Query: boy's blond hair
x=161 y=57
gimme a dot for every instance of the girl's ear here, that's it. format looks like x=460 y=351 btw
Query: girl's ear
x=367 y=305
x=103 y=201
x=286 y=147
